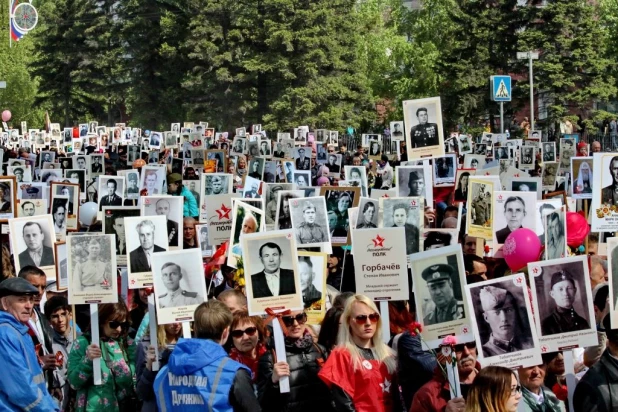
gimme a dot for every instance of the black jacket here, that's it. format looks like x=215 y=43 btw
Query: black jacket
x=307 y=391
x=597 y=391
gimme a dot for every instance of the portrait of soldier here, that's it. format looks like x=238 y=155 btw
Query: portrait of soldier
x=439 y=279
x=563 y=318
x=303 y=162
x=309 y=231
x=424 y=134
x=171 y=274
x=501 y=315
x=435 y=240
x=368 y=213
x=416 y=183
x=555 y=236
x=400 y=219
x=609 y=194
x=311 y=294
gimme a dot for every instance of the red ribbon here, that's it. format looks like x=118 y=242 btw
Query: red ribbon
x=277 y=315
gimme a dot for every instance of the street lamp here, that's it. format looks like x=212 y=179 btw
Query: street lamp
x=530 y=55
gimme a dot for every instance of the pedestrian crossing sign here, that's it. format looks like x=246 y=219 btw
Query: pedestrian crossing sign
x=500 y=88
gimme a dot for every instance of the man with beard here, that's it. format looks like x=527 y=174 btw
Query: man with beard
x=500 y=312
x=563 y=318
x=439 y=280
x=514 y=213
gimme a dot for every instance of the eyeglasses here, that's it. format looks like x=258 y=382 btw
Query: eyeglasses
x=515 y=390
x=113 y=324
x=238 y=333
x=468 y=345
x=301 y=318
x=362 y=319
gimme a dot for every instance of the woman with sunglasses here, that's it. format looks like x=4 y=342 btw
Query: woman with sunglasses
x=302 y=364
x=117 y=353
x=360 y=369
x=247 y=341
x=495 y=389
x=167 y=337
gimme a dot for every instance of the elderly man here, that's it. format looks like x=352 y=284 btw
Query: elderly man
x=536 y=396
x=162 y=208
x=563 y=318
x=171 y=274
x=432 y=397
x=500 y=312
x=234 y=299
x=36 y=254
x=595 y=147
x=311 y=294
x=439 y=280
x=249 y=225
x=24 y=389
x=309 y=231
x=140 y=258
x=302 y=163
x=272 y=280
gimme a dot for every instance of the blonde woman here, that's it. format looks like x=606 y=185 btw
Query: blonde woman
x=360 y=370
x=495 y=389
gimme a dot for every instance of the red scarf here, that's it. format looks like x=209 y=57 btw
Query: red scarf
x=248 y=360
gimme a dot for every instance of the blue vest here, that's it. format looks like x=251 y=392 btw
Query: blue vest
x=206 y=390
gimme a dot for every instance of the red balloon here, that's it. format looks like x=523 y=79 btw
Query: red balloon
x=6 y=115
x=577 y=229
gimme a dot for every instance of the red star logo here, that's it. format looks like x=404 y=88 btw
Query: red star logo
x=516 y=175
x=414 y=203
x=536 y=270
x=500 y=197
x=105 y=282
x=518 y=280
x=133 y=281
x=378 y=241
x=385 y=196
x=223 y=212
x=465 y=330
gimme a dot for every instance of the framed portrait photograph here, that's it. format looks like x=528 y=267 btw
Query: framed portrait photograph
x=113 y=224
x=612 y=259
x=34 y=190
x=80 y=162
x=32 y=242
x=438 y=278
x=179 y=284
x=92 y=269
x=247 y=219
x=416 y=181
x=333 y=163
x=59 y=211
x=503 y=322
x=251 y=189
x=22 y=173
x=202 y=240
x=555 y=234
x=549 y=172
x=269 y=194
x=368 y=213
x=264 y=255
x=8 y=197
x=465 y=144
x=334 y=137
x=581 y=177
x=526 y=184
x=309 y=220
x=480 y=199
x=549 y=152
x=462 y=179
x=312 y=271
x=512 y=211
x=444 y=169
x=256 y=168
x=283 y=217
x=358 y=173
x=34 y=207
x=300 y=135
x=111 y=192
x=46 y=156
x=80 y=176
x=604 y=197
x=172 y=208
x=144 y=237
x=375 y=149
x=152 y=180
x=302 y=178
x=97 y=164
x=527 y=157
x=474 y=161
x=239 y=146
x=71 y=191
x=424 y=134
x=302 y=158
x=567 y=151
x=338 y=201
x=62 y=270
x=562 y=299
x=437 y=238
x=406 y=212
x=397 y=129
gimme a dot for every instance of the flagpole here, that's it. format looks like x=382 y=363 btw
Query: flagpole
x=10 y=16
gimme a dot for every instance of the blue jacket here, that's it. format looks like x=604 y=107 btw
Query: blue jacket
x=24 y=387
x=198 y=377
x=190 y=207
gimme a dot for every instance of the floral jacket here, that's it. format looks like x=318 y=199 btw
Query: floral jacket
x=115 y=387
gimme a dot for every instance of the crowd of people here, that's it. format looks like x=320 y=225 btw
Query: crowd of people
x=344 y=362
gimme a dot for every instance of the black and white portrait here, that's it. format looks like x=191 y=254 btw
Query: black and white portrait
x=461 y=184
x=337 y=204
x=396 y=129
x=265 y=147
x=555 y=234
x=179 y=284
x=562 y=296
x=465 y=144
x=92 y=269
x=548 y=175
x=309 y=221
x=513 y=211
x=80 y=162
x=32 y=240
x=144 y=236
x=375 y=149
x=238 y=146
x=334 y=164
x=368 y=212
x=251 y=188
x=8 y=197
x=334 y=137
x=581 y=177
x=567 y=151
x=300 y=135
x=423 y=120
x=270 y=171
x=46 y=157
x=302 y=178
x=311 y=271
x=504 y=322
x=444 y=169
x=302 y=158
x=437 y=238
x=406 y=213
x=256 y=168
x=216 y=183
x=27 y=208
x=202 y=240
x=271 y=270
x=413 y=182
x=113 y=224
x=59 y=210
x=528 y=157
x=96 y=165
x=111 y=191
x=549 y=152
x=172 y=208
x=152 y=180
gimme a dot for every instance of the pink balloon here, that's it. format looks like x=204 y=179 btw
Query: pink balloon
x=6 y=115
x=520 y=248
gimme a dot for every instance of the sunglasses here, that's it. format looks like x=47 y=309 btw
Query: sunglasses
x=469 y=345
x=113 y=324
x=362 y=319
x=238 y=333
x=301 y=318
